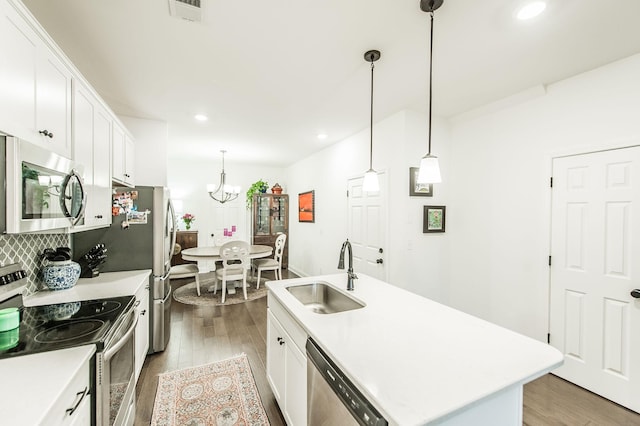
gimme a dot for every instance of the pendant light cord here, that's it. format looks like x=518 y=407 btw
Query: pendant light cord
x=371 y=120
x=430 y=79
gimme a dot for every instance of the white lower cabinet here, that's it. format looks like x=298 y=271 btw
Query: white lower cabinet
x=287 y=364
x=142 y=329
x=73 y=407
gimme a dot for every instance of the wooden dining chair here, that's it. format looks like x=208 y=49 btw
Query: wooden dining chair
x=187 y=270
x=235 y=263
x=274 y=264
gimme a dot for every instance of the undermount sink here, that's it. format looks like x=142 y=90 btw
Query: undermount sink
x=321 y=298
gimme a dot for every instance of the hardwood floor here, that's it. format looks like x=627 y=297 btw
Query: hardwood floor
x=201 y=335
x=206 y=334
x=551 y=401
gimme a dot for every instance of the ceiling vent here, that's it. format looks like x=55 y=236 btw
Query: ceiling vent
x=186 y=9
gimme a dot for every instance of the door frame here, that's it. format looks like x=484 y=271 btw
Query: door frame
x=384 y=186
x=570 y=152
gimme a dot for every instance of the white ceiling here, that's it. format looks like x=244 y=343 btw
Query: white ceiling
x=271 y=75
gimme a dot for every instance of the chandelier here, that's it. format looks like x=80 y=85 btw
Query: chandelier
x=223 y=192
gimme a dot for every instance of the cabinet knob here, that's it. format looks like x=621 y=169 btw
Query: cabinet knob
x=45 y=132
x=379 y=261
x=143 y=312
x=99 y=216
x=281 y=341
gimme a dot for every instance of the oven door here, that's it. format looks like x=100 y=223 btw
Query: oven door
x=44 y=190
x=115 y=376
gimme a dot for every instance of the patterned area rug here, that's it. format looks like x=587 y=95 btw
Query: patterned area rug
x=223 y=393
x=187 y=294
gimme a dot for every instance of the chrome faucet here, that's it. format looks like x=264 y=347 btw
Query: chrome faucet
x=350 y=274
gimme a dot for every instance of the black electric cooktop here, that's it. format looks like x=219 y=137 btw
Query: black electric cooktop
x=63 y=325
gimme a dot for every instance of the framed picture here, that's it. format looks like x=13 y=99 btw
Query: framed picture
x=434 y=219
x=418 y=189
x=306 y=206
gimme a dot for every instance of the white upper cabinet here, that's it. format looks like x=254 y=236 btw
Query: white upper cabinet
x=123 y=156
x=35 y=85
x=91 y=149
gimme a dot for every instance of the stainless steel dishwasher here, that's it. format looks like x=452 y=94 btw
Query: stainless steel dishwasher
x=331 y=398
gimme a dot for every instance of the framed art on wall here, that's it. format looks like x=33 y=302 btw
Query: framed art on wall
x=418 y=189
x=306 y=206
x=434 y=219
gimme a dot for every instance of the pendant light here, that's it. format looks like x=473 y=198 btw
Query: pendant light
x=223 y=192
x=429 y=167
x=370 y=183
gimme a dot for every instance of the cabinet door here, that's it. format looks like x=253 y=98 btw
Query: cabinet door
x=129 y=161
x=142 y=329
x=18 y=58
x=83 y=110
x=53 y=103
x=262 y=208
x=117 y=166
x=296 y=385
x=91 y=147
x=102 y=166
x=279 y=210
x=75 y=393
x=276 y=357
x=35 y=86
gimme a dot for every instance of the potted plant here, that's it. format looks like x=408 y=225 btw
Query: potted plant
x=257 y=187
x=187 y=218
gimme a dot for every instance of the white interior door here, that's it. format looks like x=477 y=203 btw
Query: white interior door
x=595 y=249
x=367 y=228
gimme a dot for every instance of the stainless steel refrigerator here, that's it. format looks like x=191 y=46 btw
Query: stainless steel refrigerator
x=138 y=241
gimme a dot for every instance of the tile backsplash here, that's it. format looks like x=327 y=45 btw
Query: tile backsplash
x=26 y=249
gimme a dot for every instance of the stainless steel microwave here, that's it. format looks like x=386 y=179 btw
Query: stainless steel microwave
x=43 y=190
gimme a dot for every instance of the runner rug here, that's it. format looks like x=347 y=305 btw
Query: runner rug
x=221 y=393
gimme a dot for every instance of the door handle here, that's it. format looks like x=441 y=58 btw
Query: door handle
x=635 y=293
x=379 y=261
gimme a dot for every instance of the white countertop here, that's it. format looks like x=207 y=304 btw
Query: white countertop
x=31 y=384
x=107 y=284
x=416 y=360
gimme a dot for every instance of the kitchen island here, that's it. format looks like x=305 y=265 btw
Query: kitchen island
x=416 y=361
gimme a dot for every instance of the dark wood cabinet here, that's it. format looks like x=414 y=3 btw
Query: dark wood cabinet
x=270 y=218
x=186 y=239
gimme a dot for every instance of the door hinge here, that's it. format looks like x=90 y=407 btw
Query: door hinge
x=551 y=182
x=549 y=338
x=549 y=260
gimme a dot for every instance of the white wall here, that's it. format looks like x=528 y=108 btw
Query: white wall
x=187 y=181
x=151 y=139
x=499 y=217
x=415 y=261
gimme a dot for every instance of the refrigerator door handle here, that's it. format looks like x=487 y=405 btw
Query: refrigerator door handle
x=174 y=227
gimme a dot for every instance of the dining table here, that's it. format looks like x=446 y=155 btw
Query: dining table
x=211 y=254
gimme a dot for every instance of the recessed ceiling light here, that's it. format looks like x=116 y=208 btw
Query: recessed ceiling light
x=322 y=136
x=201 y=117
x=531 y=10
